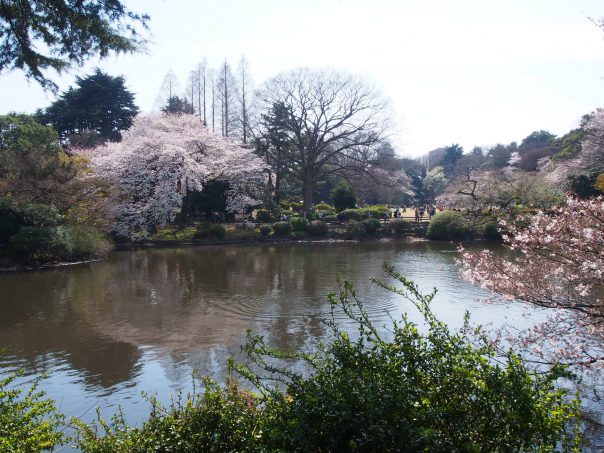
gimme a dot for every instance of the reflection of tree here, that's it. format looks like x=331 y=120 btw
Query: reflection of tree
x=188 y=305
x=38 y=321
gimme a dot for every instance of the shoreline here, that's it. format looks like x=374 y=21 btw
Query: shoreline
x=244 y=241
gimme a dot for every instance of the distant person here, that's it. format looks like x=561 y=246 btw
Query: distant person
x=417 y=214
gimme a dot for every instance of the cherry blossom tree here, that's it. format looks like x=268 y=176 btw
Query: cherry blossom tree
x=160 y=159
x=556 y=262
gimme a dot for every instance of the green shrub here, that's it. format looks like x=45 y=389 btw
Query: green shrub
x=449 y=225
x=87 y=241
x=367 y=213
x=350 y=214
x=220 y=419
x=356 y=230
x=324 y=207
x=397 y=227
x=296 y=207
x=371 y=225
x=28 y=421
x=40 y=244
x=330 y=218
x=282 y=228
x=409 y=391
x=217 y=231
x=299 y=223
x=491 y=230
x=318 y=228
x=264 y=216
x=343 y=196
x=265 y=230
x=207 y=230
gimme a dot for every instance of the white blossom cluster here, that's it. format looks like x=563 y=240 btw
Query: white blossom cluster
x=161 y=158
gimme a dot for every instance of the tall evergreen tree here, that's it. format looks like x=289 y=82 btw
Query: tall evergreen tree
x=99 y=107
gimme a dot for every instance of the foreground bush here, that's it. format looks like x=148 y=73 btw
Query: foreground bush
x=438 y=391
x=28 y=421
x=449 y=225
x=299 y=224
x=371 y=225
x=397 y=227
x=265 y=230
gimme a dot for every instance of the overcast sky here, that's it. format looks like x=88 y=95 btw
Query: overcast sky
x=469 y=72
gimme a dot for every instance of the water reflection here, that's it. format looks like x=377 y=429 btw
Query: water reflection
x=142 y=320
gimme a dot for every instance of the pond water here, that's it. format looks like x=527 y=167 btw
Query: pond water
x=143 y=320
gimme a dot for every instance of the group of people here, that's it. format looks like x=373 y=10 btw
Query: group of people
x=420 y=211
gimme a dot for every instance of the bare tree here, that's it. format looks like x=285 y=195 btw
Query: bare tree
x=168 y=90
x=334 y=121
x=227 y=90
x=244 y=99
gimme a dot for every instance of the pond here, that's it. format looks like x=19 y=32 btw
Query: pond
x=143 y=320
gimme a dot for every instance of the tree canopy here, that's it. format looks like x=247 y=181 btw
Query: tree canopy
x=39 y=35
x=332 y=122
x=100 y=108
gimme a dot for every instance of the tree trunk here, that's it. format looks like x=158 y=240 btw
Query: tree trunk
x=308 y=189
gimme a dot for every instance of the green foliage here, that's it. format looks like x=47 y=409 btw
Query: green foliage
x=175 y=234
x=265 y=230
x=369 y=213
x=296 y=207
x=343 y=196
x=40 y=35
x=264 y=216
x=356 y=230
x=87 y=241
x=28 y=421
x=32 y=244
x=449 y=225
x=176 y=105
x=318 y=228
x=100 y=106
x=299 y=224
x=371 y=225
x=330 y=218
x=220 y=419
x=210 y=230
x=397 y=227
x=434 y=391
x=282 y=228
x=350 y=214
x=324 y=207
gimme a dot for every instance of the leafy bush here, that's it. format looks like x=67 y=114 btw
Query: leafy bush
x=28 y=421
x=282 y=228
x=221 y=419
x=264 y=216
x=217 y=231
x=371 y=225
x=343 y=196
x=367 y=213
x=318 y=228
x=87 y=241
x=40 y=244
x=350 y=214
x=296 y=207
x=356 y=229
x=330 y=218
x=397 y=227
x=207 y=230
x=324 y=207
x=449 y=225
x=409 y=393
x=299 y=224
x=265 y=230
